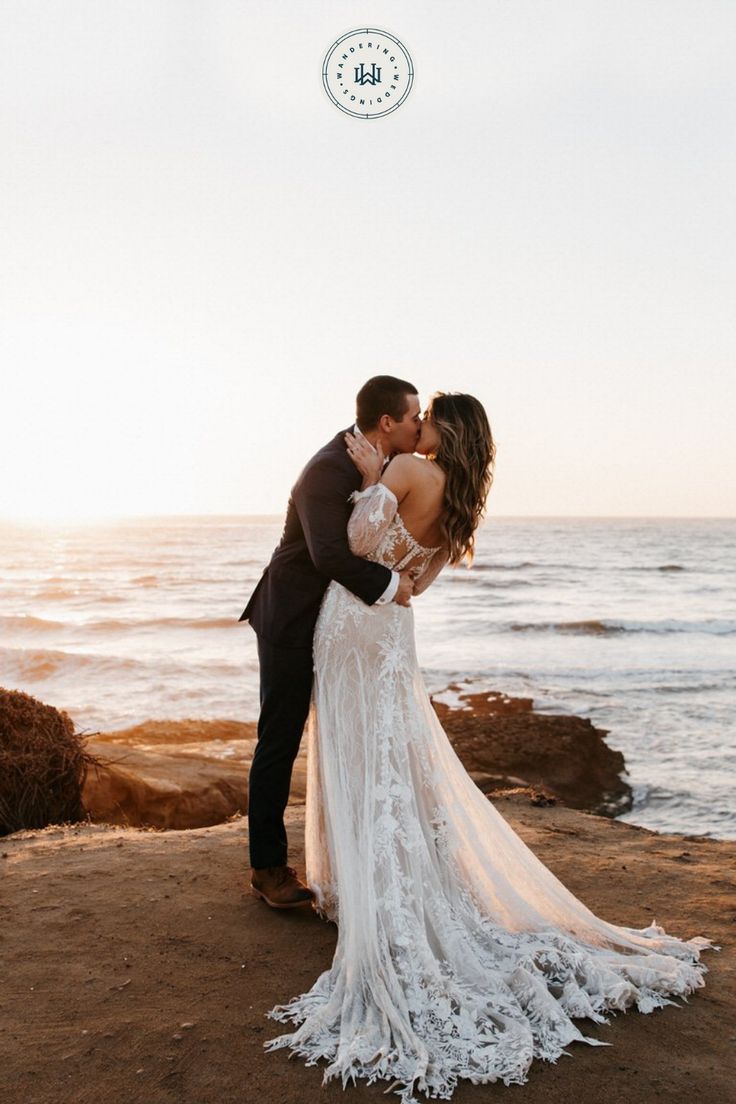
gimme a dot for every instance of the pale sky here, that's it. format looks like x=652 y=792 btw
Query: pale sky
x=202 y=258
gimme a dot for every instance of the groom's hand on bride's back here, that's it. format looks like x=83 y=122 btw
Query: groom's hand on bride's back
x=406 y=589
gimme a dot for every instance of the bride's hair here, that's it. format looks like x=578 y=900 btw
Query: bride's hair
x=466 y=453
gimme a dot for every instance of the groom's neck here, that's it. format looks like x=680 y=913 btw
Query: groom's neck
x=372 y=435
x=375 y=437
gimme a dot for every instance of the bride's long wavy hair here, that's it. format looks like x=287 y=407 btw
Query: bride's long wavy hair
x=466 y=454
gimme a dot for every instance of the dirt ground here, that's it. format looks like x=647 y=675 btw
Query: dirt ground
x=137 y=967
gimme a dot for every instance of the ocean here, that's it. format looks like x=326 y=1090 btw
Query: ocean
x=630 y=622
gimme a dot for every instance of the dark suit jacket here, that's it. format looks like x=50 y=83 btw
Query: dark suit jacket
x=313 y=550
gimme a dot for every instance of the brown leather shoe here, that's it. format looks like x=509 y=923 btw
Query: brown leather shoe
x=279 y=887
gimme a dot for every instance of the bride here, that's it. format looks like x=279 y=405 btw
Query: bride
x=459 y=954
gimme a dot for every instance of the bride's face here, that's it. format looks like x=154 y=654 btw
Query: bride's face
x=429 y=438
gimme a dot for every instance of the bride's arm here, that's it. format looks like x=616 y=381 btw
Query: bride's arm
x=376 y=505
x=431 y=571
x=373 y=511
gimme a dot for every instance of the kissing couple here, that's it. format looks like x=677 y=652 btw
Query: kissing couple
x=459 y=953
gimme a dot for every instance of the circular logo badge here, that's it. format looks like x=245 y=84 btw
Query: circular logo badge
x=367 y=73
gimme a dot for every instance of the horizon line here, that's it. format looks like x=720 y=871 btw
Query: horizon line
x=102 y=518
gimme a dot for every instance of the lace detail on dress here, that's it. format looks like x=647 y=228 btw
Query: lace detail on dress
x=376 y=531
x=459 y=953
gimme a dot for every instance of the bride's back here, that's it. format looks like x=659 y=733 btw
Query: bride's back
x=419 y=486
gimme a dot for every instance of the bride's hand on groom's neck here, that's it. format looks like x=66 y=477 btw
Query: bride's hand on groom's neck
x=367 y=459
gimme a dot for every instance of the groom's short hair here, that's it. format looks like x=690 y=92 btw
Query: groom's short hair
x=382 y=395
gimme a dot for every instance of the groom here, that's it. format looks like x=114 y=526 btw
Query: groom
x=283 y=611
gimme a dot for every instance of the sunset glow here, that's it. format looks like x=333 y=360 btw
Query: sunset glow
x=198 y=274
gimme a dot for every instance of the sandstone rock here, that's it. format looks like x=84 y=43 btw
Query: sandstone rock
x=175 y=774
x=504 y=743
x=190 y=774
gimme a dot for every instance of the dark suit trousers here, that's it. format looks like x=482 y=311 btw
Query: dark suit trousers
x=286 y=688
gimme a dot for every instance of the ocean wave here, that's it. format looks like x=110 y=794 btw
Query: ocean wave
x=132 y=623
x=611 y=628
x=39 y=664
x=659 y=807
x=24 y=622
x=511 y=566
x=538 y=565
x=20 y=665
x=248 y=561
x=455 y=579
x=504 y=584
x=687 y=687
x=56 y=592
x=656 y=567
x=210 y=580
x=581 y=567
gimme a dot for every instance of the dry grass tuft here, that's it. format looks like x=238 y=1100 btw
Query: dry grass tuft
x=43 y=764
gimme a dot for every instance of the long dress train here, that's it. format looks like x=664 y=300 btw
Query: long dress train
x=459 y=953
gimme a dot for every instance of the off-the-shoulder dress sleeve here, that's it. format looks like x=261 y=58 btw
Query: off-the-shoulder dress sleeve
x=431 y=571
x=373 y=511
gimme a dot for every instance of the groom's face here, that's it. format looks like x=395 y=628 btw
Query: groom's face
x=403 y=436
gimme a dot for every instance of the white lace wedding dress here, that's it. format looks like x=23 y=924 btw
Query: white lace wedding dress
x=459 y=954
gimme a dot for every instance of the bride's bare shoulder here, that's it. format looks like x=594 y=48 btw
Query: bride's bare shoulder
x=411 y=466
x=406 y=472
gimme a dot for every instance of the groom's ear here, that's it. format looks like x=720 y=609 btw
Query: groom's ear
x=385 y=422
